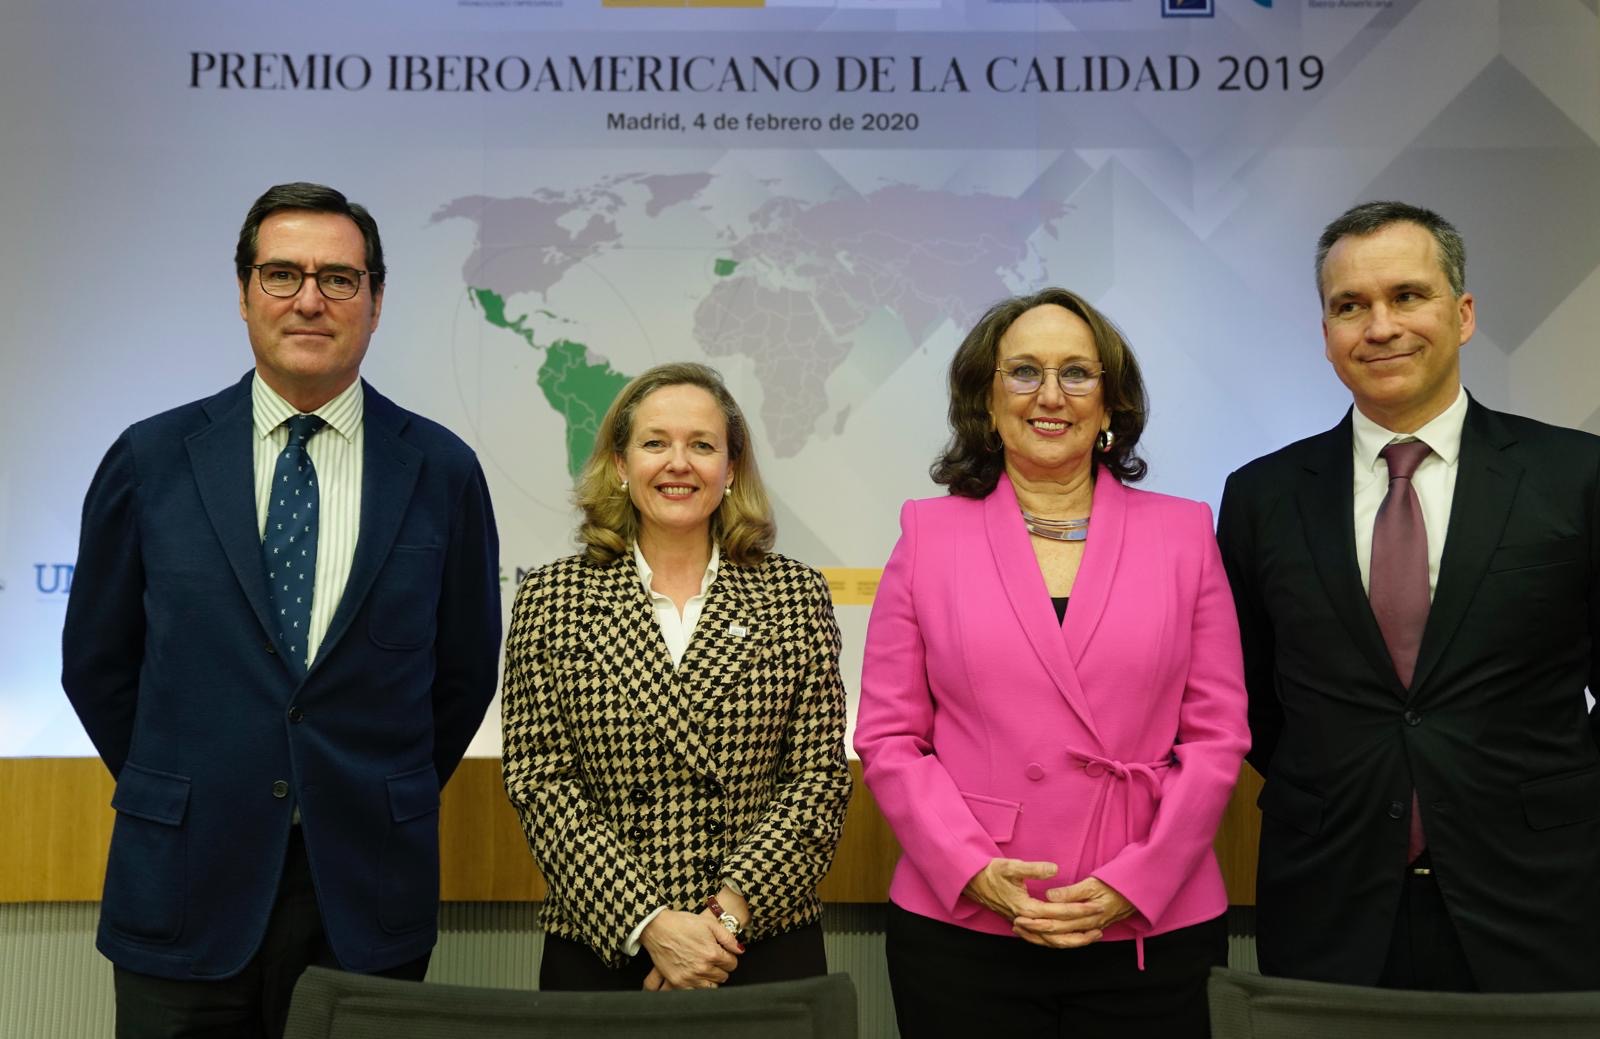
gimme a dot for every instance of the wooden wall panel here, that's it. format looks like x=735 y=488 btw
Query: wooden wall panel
x=55 y=826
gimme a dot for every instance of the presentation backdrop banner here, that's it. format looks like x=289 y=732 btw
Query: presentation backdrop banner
x=818 y=199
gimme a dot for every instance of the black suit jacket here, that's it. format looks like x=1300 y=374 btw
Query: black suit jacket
x=1493 y=735
x=215 y=738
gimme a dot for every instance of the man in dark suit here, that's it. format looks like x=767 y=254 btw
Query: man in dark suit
x=283 y=634
x=1419 y=597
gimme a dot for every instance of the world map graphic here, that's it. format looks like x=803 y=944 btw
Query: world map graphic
x=795 y=287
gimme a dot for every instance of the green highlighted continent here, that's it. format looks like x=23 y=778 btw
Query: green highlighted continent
x=578 y=390
x=726 y=267
x=494 y=312
x=581 y=392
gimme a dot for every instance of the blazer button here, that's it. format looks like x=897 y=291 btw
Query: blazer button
x=709 y=867
x=295 y=713
x=1033 y=770
x=714 y=828
x=639 y=794
x=1093 y=769
x=1397 y=810
x=280 y=789
x=1412 y=718
x=636 y=832
x=272 y=650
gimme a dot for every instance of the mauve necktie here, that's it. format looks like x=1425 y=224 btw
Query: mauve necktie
x=289 y=547
x=1397 y=583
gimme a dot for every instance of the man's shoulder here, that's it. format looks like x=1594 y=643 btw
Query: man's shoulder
x=1272 y=467
x=196 y=414
x=1520 y=429
x=433 y=438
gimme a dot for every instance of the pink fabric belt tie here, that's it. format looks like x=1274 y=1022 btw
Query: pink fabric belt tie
x=1094 y=766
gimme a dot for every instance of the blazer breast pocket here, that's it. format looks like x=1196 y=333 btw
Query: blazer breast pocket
x=1507 y=558
x=147 y=875
x=403 y=608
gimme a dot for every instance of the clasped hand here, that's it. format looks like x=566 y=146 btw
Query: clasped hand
x=1068 y=918
x=688 y=950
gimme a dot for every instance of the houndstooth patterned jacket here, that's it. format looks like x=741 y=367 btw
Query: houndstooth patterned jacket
x=641 y=785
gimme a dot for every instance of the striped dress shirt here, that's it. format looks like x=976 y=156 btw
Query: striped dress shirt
x=336 y=452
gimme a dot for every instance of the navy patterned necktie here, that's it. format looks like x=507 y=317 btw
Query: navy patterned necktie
x=1397 y=585
x=289 y=547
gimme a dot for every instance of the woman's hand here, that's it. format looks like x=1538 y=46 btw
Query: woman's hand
x=689 y=950
x=1000 y=887
x=1091 y=906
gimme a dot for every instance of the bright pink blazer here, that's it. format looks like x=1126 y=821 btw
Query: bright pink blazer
x=1107 y=745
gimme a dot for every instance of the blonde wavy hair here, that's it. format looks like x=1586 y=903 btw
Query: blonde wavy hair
x=742 y=524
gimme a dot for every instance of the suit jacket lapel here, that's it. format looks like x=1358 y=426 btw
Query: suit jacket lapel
x=630 y=650
x=1486 y=484
x=389 y=470
x=1018 y=569
x=1101 y=554
x=734 y=626
x=1327 y=513
x=224 y=471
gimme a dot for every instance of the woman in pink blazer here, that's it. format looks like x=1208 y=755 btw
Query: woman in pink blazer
x=1052 y=705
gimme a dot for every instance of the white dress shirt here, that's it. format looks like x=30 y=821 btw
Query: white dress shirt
x=676 y=631
x=1434 y=480
x=336 y=452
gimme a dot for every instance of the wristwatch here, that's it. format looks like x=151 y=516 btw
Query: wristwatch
x=729 y=921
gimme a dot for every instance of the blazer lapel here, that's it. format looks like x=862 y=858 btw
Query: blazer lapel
x=734 y=626
x=389 y=470
x=630 y=650
x=1327 y=514
x=1101 y=554
x=1018 y=569
x=224 y=471
x=1486 y=485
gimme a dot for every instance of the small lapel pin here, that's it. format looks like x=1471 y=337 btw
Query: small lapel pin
x=738 y=631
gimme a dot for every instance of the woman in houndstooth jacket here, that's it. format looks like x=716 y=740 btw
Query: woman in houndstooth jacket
x=673 y=715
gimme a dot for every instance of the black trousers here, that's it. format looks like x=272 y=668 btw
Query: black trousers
x=570 y=965
x=950 y=981
x=1424 y=951
x=253 y=1004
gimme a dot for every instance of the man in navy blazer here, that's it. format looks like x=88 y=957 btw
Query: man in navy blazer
x=277 y=794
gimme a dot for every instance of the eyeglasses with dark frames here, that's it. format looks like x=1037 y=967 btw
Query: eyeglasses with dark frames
x=284 y=280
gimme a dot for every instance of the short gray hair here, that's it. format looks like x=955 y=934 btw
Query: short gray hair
x=1371 y=217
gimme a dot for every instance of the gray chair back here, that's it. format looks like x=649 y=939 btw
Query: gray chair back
x=331 y=1004
x=1249 y=1006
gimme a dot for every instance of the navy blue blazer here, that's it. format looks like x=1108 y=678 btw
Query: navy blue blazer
x=215 y=736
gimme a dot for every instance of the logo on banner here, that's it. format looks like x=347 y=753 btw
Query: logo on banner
x=52 y=578
x=1190 y=8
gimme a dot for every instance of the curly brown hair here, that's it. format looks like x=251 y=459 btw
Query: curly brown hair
x=742 y=524
x=972 y=461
